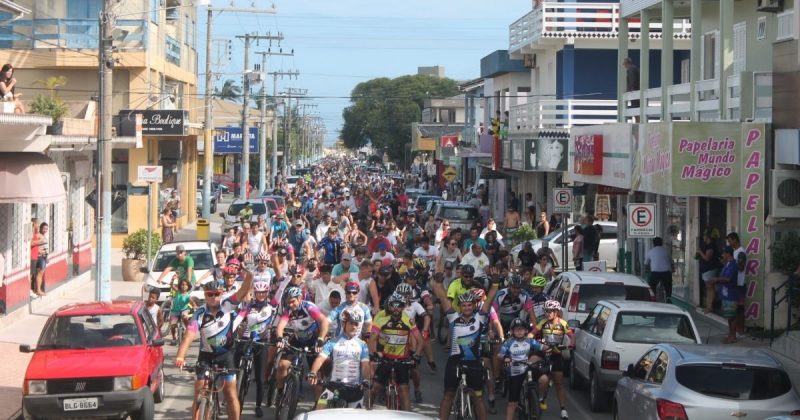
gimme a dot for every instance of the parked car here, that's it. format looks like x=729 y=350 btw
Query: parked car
x=95 y=360
x=618 y=333
x=203 y=253
x=291 y=181
x=713 y=382
x=459 y=215
x=422 y=200
x=430 y=208
x=275 y=203
x=608 y=244
x=230 y=184
x=232 y=215
x=579 y=291
x=199 y=201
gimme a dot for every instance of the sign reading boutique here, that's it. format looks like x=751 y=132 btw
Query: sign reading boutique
x=155 y=122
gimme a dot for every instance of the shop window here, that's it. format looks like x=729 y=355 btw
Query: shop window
x=119 y=191
x=169 y=157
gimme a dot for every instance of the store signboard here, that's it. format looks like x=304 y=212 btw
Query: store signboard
x=616 y=155
x=517 y=155
x=229 y=140
x=752 y=230
x=155 y=122
x=588 y=154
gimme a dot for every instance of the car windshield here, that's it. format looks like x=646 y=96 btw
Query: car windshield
x=590 y=294
x=459 y=213
x=90 y=331
x=734 y=382
x=653 y=328
x=279 y=201
x=202 y=259
x=258 y=208
x=550 y=237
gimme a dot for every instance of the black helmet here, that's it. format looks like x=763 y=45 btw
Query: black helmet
x=514 y=280
x=213 y=285
x=519 y=323
x=467 y=270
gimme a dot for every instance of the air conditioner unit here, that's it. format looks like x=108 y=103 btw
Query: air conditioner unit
x=529 y=60
x=785 y=193
x=770 y=6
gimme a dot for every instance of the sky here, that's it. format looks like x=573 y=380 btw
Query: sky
x=338 y=44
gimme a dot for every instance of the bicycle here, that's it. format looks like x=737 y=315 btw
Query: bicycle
x=528 y=404
x=340 y=390
x=392 y=397
x=286 y=406
x=249 y=349
x=208 y=402
x=462 y=405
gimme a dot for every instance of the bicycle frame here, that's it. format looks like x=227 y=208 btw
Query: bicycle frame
x=392 y=395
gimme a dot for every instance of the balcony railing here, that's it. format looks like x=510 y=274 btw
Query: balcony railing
x=592 y=20
x=173 y=50
x=748 y=95
x=26 y=34
x=561 y=113
x=785 y=26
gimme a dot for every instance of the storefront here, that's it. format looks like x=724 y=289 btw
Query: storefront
x=536 y=166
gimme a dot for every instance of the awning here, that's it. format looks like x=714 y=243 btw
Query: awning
x=29 y=178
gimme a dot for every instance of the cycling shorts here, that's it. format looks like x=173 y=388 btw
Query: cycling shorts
x=475 y=375
x=208 y=360
x=384 y=371
x=556 y=363
x=514 y=386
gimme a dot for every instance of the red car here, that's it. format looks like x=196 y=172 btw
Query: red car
x=95 y=360
x=231 y=185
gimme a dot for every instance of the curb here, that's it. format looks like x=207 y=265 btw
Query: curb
x=57 y=293
x=677 y=301
x=17 y=415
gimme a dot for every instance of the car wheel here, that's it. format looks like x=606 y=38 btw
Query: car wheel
x=147 y=411
x=575 y=379
x=598 y=399
x=158 y=396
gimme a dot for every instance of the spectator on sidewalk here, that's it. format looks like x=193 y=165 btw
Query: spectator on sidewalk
x=511 y=224
x=174 y=204
x=8 y=85
x=589 y=238
x=167 y=226
x=740 y=256
x=708 y=259
x=39 y=250
x=577 y=248
x=530 y=208
x=542 y=226
x=728 y=291
x=657 y=258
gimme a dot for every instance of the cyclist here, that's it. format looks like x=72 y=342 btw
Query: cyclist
x=181 y=307
x=461 y=285
x=466 y=328
x=182 y=264
x=512 y=302
x=309 y=325
x=394 y=338
x=259 y=315
x=539 y=298
x=349 y=357
x=553 y=330
x=263 y=271
x=493 y=329
x=351 y=292
x=230 y=278
x=519 y=348
x=421 y=319
x=216 y=322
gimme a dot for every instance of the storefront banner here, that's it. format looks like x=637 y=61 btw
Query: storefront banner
x=752 y=230
x=652 y=165
x=616 y=150
x=517 y=154
x=530 y=155
x=551 y=155
x=154 y=122
x=229 y=140
x=705 y=159
x=449 y=141
x=588 y=154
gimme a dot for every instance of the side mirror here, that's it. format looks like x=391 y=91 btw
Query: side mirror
x=25 y=348
x=574 y=324
x=629 y=371
x=144 y=270
x=158 y=342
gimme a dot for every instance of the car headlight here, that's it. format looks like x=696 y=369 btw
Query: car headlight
x=123 y=383
x=36 y=387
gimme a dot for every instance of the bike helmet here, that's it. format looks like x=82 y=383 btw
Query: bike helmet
x=466 y=297
x=425 y=294
x=396 y=300
x=262 y=256
x=404 y=289
x=477 y=294
x=233 y=262
x=260 y=286
x=351 y=315
x=352 y=286
x=291 y=293
x=519 y=323
x=421 y=265
x=467 y=270
x=230 y=271
x=538 y=281
x=412 y=273
x=552 y=305
x=514 y=280
x=386 y=270
x=213 y=285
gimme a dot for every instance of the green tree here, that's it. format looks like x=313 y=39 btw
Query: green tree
x=382 y=110
x=229 y=90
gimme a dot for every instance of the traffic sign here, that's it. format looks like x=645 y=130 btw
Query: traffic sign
x=449 y=173
x=641 y=220
x=150 y=173
x=562 y=200
x=595 y=266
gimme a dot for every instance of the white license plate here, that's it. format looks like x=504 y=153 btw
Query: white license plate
x=74 y=404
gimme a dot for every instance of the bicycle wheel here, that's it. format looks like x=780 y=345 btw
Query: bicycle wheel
x=288 y=403
x=244 y=381
x=270 y=397
x=217 y=411
x=532 y=397
x=392 y=399
x=203 y=408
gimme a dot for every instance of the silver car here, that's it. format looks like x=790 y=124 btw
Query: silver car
x=709 y=382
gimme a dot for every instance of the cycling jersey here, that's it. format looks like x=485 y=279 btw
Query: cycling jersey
x=465 y=334
x=552 y=334
x=519 y=351
x=346 y=355
x=509 y=306
x=259 y=318
x=538 y=304
x=216 y=328
x=454 y=290
x=266 y=275
x=304 y=321
x=393 y=338
x=415 y=312
x=366 y=315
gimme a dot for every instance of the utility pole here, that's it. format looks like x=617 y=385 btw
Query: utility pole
x=304 y=148
x=245 y=168
x=102 y=289
x=262 y=167
x=290 y=92
x=208 y=126
x=275 y=75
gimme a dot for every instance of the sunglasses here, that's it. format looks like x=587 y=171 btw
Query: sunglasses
x=212 y=294
x=396 y=306
x=467 y=277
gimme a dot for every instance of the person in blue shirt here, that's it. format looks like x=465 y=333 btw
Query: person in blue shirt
x=516 y=353
x=332 y=246
x=278 y=228
x=351 y=291
x=344 y=266
x=297 y=238
x=728 y=291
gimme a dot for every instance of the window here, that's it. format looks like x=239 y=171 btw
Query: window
x=119 y=191
x=602 y=321
x=659 y=370
x=734 y=381
x=258 y=208
x=202 y=259
x=459 y=213
x=644 y=327
x=590 y=322
x=590 y=294
x=154 y=5
x=147 y=323
x=90 y=331
x=643 y=365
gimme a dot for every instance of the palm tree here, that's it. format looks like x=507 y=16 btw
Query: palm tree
x=230 y=91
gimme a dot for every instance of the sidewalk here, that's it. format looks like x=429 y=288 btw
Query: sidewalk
x=24 y=325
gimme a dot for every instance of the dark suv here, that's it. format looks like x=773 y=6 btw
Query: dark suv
x=459 y=215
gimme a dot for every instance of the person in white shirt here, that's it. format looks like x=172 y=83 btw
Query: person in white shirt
x=322 y=228
x=426 y=251
x=256 y=240
x=350 y=202
x=322 y=285
x=491 y=226
x=657 y=258
x=477 y=259
x=387 y=258
x=331 y=301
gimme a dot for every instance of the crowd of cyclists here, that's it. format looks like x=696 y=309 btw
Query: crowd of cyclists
x=355 y=282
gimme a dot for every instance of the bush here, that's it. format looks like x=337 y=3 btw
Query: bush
x=786 y=253
x=524 y=233
x=135 y=245
x=50 y=106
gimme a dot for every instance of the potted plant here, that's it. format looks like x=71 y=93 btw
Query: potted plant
x=135 y=249
x=51 y=105
x=524 y=233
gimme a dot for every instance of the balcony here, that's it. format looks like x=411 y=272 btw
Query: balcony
x=26 y=34
x=561 y=114
x=748 y=95
x=173 y=50
x=553 y=22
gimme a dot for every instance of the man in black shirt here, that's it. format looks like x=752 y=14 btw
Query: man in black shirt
x=631 y=81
